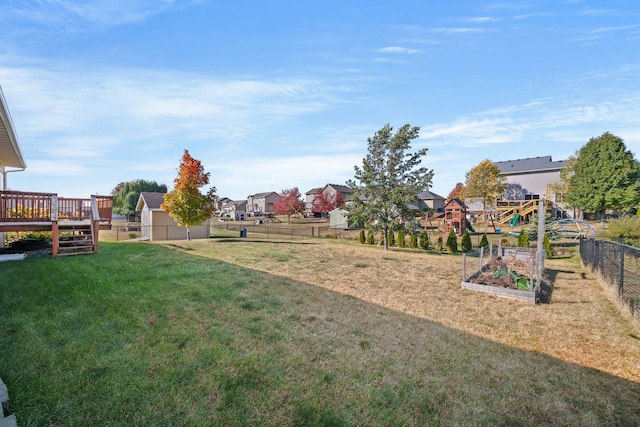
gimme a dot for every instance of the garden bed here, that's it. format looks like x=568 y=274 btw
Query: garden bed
x=511 y=277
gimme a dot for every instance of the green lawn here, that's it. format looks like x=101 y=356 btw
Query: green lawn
x=143 y=334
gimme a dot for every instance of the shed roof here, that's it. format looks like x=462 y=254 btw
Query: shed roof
x=531 y=164
x=10 y=153
x=151 y=199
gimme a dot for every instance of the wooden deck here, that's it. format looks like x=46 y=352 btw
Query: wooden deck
x=79 y=220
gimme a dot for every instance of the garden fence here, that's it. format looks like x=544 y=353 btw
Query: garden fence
x=618 y=265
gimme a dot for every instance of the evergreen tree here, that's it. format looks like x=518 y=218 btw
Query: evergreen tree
x=413 y=241
x=439 y=244
x=523 y=240
x=424 y=240
x=389 y=179
x=401 y=240
x=361 y=237
x=546 y=244
x=484 y=242
x=126 y=195
x=391 y=239
x=452 y=242
x=466 y=242
x=370 y=237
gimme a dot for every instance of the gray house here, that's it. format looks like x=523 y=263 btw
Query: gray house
x=156 y=224
x=262 y=202
x=429 y=200
x=530 y=178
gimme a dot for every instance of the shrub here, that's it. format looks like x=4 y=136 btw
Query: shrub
x=484 y=242
x=546 y=244
x=413 y=241
x=439 y=244
x=401 y=241
x=466 y=242
x=523 y=240
x=361 y=237
x=452 y=242
x=424 y=240
x=626 y=227
x=391 y=238
x=505 y=242
x=370 y=239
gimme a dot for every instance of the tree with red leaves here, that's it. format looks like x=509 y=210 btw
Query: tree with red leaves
x=326 y=202
x=185 y=203
x=457 y=192
x=289 y=203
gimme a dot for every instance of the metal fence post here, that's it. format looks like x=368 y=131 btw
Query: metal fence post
x=621 y=274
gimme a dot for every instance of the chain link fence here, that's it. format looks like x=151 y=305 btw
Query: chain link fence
x=618 y=265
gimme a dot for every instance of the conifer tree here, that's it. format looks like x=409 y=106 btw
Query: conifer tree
x=466 y=242
x=484 y=242
x=401 y=240
x=452 y=242
x=424 y=240
x=361 y=237
x=523 y=239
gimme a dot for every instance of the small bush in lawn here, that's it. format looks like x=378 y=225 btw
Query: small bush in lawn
x=361 y=237
x=466 y=242
x=626 y=228
x=381 y=238
x=370 y=238
x=424 y=240
x=413 y=241
x=401 y=242
x=484 y=242
x=439 y=244
x=546 y=244
x=391 y=238
x=523 y=240
x=452 y=242
x=505 y=242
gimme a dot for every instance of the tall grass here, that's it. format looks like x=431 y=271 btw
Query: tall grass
x=148 y=335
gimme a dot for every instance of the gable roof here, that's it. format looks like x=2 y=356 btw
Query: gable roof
x=152 y=200
x=340 y=188
x=428 y=195
x=10 y=153
x=458 y=201
x=262 y=195
x=314 y=190
x=528 y=165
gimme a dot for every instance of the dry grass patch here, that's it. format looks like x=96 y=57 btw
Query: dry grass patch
x=581 y=325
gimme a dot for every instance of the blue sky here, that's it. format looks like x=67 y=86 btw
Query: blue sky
x=275 y=94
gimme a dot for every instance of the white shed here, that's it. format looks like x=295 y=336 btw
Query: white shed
x=156 y=224
x=339 y=218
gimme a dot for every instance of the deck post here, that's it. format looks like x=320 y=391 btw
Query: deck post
x=55 y=236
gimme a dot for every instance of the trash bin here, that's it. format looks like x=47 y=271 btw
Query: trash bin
x=243 y=232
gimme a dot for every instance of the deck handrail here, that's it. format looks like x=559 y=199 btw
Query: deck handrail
x=23 y=206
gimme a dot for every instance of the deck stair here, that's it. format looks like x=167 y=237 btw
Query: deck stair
x=508 y=209
x=76 y=239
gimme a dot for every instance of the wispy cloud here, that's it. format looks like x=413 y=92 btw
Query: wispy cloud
x=77 y=16
x=397 y=49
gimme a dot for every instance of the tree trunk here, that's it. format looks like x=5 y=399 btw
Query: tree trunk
x=384 y=237
x=188 y=234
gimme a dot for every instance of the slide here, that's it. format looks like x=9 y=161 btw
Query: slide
x=470 y=227
x=515 y=219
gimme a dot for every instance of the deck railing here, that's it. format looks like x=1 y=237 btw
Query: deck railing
x=20 y=206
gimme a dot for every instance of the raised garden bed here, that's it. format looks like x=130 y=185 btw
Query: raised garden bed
x=510 y=273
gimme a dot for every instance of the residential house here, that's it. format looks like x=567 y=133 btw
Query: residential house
x=156 y=224
x=531 y=178
x=262 y=202
x=337 y=193
x=235 y=209
x=429 y=200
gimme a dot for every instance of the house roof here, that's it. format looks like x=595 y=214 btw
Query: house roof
x=532 y=164
x=262 y=195
x=428 y=195
x=10 y=153
x=314 y=190
x=152 y=200
x=340 y=188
